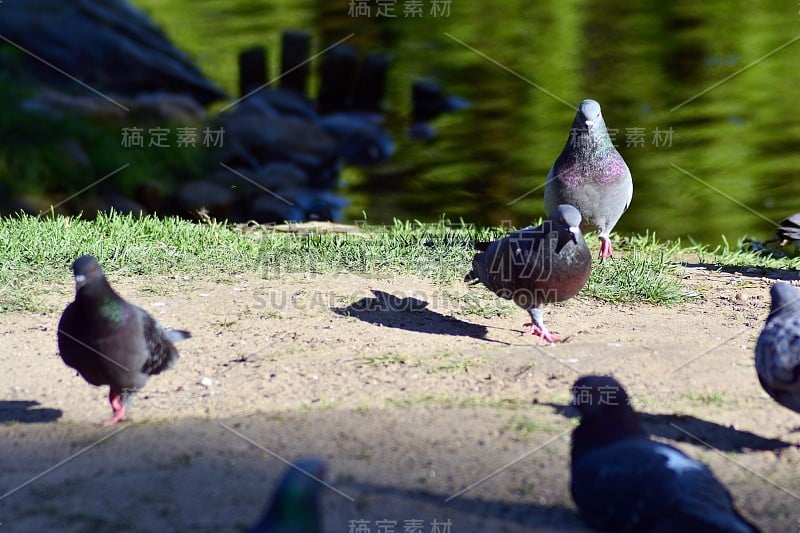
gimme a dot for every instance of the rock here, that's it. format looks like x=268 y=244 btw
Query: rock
x=151 y=108
x=267 y=209
x=109 y=45
x=280 y=176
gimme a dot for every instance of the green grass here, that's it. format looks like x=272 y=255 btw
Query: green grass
x=36 y=253
x=34 y=158
x=748 y=253
x=451 y=402
x=706 y=398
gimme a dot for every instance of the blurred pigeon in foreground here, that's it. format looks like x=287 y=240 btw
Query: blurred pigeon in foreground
x=295 y=505
x=789 y=229
x=536 y=266
x=778 y=348
x=591 y=175
x=109 y=341
x=623 y=482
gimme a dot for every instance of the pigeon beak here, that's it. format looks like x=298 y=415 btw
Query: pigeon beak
x=574 y=232
x=589 y=123
x=79 y=280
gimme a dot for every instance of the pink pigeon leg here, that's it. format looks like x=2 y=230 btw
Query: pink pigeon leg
x=544 y=334
x=536 y=326
x=115 y=398
x=605 y=248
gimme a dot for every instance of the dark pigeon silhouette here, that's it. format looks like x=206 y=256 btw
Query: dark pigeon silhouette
x=778 y=348
x=110 y=341
x=429 y=101
x=591 y=175
x=295 y=505
x=536 y=266
x=623 y=481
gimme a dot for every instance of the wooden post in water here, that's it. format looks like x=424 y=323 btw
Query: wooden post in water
x=337 y=74
x=295 y=54
x=252 y=69
x=371 y=82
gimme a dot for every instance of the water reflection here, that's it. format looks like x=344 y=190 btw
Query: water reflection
x=639 y=60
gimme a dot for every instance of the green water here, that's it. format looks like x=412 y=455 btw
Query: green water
x=738 y=143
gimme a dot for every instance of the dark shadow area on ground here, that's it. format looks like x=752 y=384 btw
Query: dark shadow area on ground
x=553 y=517
x=411 y=314
x=26 y=411
x=687 y=428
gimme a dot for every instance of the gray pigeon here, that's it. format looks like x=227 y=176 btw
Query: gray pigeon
x=295 y=506
x=591 y=175
x=536 y=266
x=778 y=348
x=623 y=481
x=111 y=342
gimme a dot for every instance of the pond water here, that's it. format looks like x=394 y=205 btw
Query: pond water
x=703 y=96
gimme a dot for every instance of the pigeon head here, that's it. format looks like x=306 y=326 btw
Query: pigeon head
x=568 y=218
x=85 y=269
x=785 y=299
x=606 y=414
x=589 y=113
x=595 y=395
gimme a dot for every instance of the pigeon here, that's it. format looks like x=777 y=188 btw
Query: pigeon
x=295 y=506
x=591 y=175
x=110 y=341
x=623 y=481
x=789 y=230
x=536 y=266
x=778 y=348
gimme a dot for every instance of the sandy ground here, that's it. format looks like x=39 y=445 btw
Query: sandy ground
x=409 y=404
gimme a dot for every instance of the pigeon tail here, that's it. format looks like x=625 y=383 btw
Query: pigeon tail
x=176 y=335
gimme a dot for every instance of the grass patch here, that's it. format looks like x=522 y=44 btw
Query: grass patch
x=522 y=427
x=453 y=402
x=706 y=398
x=31 y=165
x=748 y=253
x=36 y=252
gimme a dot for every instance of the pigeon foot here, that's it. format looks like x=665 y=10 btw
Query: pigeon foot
x=543 y=333
x=605 y=248
x=115 y=399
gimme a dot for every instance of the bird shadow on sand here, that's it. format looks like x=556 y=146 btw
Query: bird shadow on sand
x=410 y=314
x=27 y=412
x=687 y=428
x=531 y=515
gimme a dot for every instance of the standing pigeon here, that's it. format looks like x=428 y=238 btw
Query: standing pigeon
x=778 y=348
x=109 y=341
x=536 y=266
x=623 y=481
x=591 y=175
x=295 y=506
